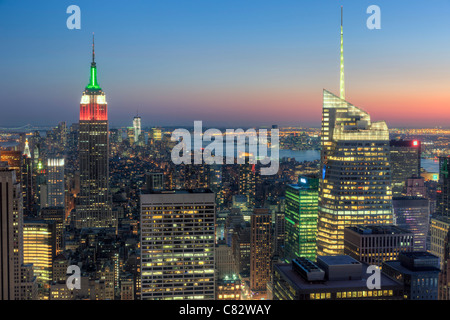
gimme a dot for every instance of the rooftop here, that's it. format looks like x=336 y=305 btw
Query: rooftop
x=378 y=229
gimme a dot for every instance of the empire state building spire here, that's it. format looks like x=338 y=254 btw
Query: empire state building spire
x=93 y=84
x=342 y=78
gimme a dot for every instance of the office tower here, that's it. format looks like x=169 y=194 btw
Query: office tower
x=27 y=185
x=39 y=249
x=331 y=278
x=415 y=187
x=154 y=181
x=215 y=182
x=59 y=268
x=177 y=245
x=279 y=235
x=247 y=183
x=225 y=266
x=419 y=273
x=405 y=163
x=439 y=228
x=93 y=208
x=240 y=247
x=413 y=215
x=354 y=185
x=375 y=244
x=260 y=252
x=137 y=129
x=57 y=215
x=55 y=182
x=11 y=241
x=443 y=190
x=301 y=219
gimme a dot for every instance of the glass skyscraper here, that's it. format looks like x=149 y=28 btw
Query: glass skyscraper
x=355 y=175
x=301 y=219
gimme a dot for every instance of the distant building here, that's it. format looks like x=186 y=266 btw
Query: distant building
x=55 y=182
x=260 y=252
x=154 y=181
x=405 y=163
x=374 y=244
x=332 y=278
x=443 y=190
x=419 y=273
x=413 y=215
x=439 y=228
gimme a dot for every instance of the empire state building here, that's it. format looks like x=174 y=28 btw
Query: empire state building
x=93 y=208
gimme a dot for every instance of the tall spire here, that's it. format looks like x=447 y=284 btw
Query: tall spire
x=93 y=84
x=93 y=49
x=342 y=79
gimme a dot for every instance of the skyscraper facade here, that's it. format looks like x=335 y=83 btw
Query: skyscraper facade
x=177 y=245
x=301 y=219
x=55 y=182
x=355 y=179
x=443 y=190
x=94 y=201
x=11 y=241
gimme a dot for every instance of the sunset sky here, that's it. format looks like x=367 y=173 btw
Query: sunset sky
x=228 y=63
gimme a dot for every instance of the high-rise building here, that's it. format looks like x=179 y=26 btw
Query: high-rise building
x=405 y=163
x=301 y=219
x=57 y=215
x=413 y=214
x=94 y=200
x=137 y=129
x=17 y=281
x=11 y=241
x=375 y=244
x=439 y=228
x=260 y=252
x=247 y=183
x=177 y=245
x=443 y=190
x=39 y=249
x=240 y=247
x=55 y=182
x=419 y=273
x=355 y=180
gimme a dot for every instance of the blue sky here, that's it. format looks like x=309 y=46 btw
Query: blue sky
x=228 y=63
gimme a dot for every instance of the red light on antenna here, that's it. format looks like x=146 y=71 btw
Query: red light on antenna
x=415 y=143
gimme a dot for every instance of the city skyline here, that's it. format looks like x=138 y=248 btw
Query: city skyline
x=226 y=64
